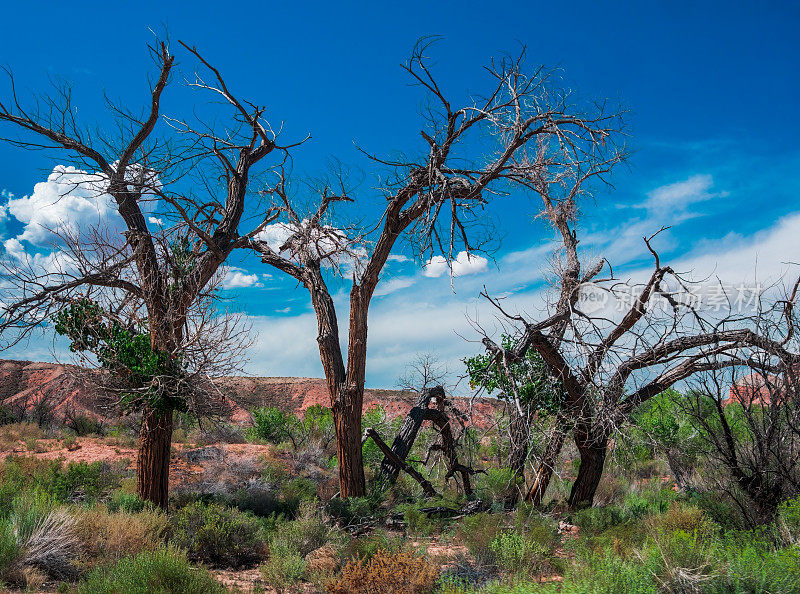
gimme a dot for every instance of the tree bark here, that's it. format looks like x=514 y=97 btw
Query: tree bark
x=592 y=449
x=347 y=422
x=520 y=434
x=545 y=470
x=404 y=441
x=152 y=466
x=398 y=463
x=439 y=418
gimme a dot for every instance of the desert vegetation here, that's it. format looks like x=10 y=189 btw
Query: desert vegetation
x=651 y=447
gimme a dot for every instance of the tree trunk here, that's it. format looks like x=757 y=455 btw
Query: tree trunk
x=347 y=422
x=545 y=471
x=520 y=434
x=404 y=441
x=152 y=466
x=427 y=487
x=593 y=457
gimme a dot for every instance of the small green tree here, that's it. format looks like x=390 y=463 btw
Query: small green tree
x=531 y=391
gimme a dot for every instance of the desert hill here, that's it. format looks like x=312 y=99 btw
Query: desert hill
x=60 y=389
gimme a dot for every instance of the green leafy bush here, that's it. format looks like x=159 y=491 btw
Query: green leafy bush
x=218 y=535
x=271 y=424
x=596 y=519
x=163 y=571
x=515 y=553
x=84 y=425
x=128 y=503
x=364 y=547
x=789 y=520
x=283 y=568
x=477 y=531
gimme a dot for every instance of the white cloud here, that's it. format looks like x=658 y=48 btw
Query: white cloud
x=70 y=200
x=679 y=195
x=156 y=221
x=237 y=278
x=764 y=257
x=53 y=263
x=462 y=265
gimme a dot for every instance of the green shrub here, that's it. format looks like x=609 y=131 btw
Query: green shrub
x=494 y=485
x=82 y=482
x=295 y=492
x=753 y=568
x=685 y=518
x=303 y=535
x=9 y=549
x=681 y=561
x=218 y=535
x=272 y=424
x=596 y=519
x=364 y=547
x=128 y=503
x=84 y=425
x=608 y=574
x=513 y=552
x=417 y=521
x=352 y=510
x=477 y=531
x=283 y=568
x=536 y=526
x=718 y=508
x=163 y=571
x=789 y=520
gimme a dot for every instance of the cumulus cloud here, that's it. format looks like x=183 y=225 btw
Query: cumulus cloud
x=43 y=264
x=67 y=202
x=237 y=278
x=462 y=265
x=156 y=221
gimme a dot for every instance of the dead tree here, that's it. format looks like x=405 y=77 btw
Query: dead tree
x=435 y=200
x=448 y=444
x=394 y=462
x=747 y=420
x=193 y=179
x=397 y=462
x=407 y=435
x=608 y=364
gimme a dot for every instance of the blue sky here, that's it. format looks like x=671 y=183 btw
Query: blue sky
x=711 y=89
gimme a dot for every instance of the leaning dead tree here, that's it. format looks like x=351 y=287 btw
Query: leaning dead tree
x=613 y=345
x=474 y=151
x=447 y=443
x=179 y=192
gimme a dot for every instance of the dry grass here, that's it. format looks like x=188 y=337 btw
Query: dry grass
x=108 y=537
x=53 y=545
x=386 y=573
x=12 y=434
